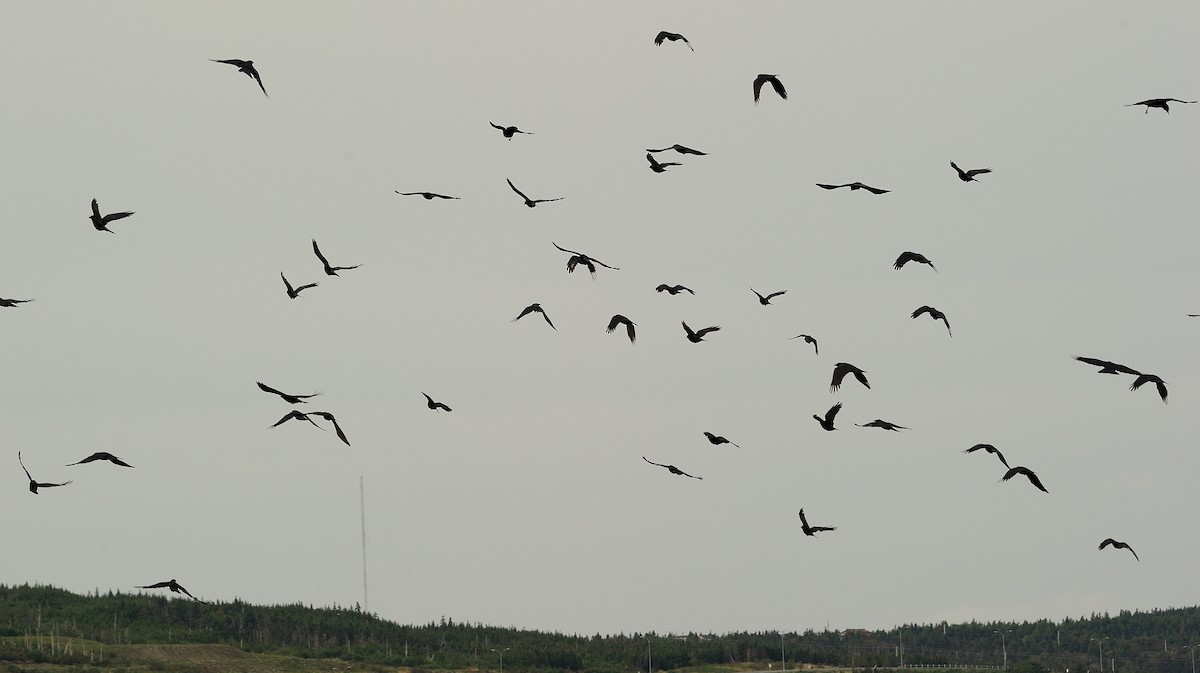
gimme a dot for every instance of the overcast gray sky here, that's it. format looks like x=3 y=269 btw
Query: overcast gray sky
x=529 y=505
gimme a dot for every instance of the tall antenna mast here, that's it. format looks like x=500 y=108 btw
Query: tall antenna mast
x=362 y=512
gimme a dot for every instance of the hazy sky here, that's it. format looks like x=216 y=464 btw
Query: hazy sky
x=529 y=505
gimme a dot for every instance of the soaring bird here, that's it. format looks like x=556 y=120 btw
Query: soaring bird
x=294 y=292
x=290 y=399
x=775 y=84
x=429 y=196
x=808 y=339
x=812 y=530
x=672 y=469
x=990 y=449
x=330 y=270
x=680 y=149
x=578 y=258
x=434 y=406
x=1107 y=367
x=906 y=257
x=664 y=35
x=766 y=301
x=935 y=314
x=102 y=455
x=839 y=372
x=827 y=422
x=246 y=67
x=100 y=222
x=528 y=201
x=35 y=485
x=509 y=131
x=336 y=428
x=659 y=167
x=12 y=303
x=1033 y=479
x=619 y=319
x=698 y=336
x=173 y=586
x=298 y=416
x=877 y=423
x=1116 y=544
x=716 y=440
x=969 y=176
x=1159 y=103
x=855 y=186
x=1151 y=378
x=535 y=308
x=673 y=289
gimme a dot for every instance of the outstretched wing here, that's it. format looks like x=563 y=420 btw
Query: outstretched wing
x=833 y=411
x=319 y=255
x=706 y=330
x=514 y=188
x=824 y=186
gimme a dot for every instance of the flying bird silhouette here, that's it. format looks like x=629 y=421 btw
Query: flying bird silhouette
x=102 y=455
x=664 y=35
x=294 y=292
x=673 y=289
x=100 y=222
x=933 y=313
x=330 y=270
x=1151 y=378
x=659 y=167
x=246 y=67
x=812 y=530
x=1159 y=103
x=808 y=339
x=509 y=131
x=839 y=372
x=34 y=485
x=672 y=469
x=1033 y=478
x=336 y=428
x=535 y=308
x=1107 y=367
x=528 y=201
x=877 y=423
x=717 y=440
x=990 y=449
x=619 y=319
x=680 y=149
x=1115 y=544
x=906 y=257
x=855 y=186
x=969 y=176
x=290 y=399
x=297 y=416
x=766 y=301
x=698 y=336
x=775 y=84
x=12 y=303
x=429 y=196
x=173 y=586
x=827 y=422
x=435 y=405
x=578 y=258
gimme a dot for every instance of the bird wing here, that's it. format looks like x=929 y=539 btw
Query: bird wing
x=95 y=208
x=706 y=330
x=180 y=586
x=612 y=324
x=652 y=462
x=501 y=128
x=305 y=287
x=514 y=188
x=337 y=428
x=112 y=217
x=156 y=585
x=803 y=521
x=528 y=309
x=775 y=294
x=833 y=411
x=687 y=150
x=688 y=289
x=824 y=186
x=875 y=190
x=778 y=86
x=286 y=283
x=978 y=171
x=319 y=255
x=289 y=416
x=268 y=389
x=758 y=83
x=23 y=466
x=580 y=254
x=687 y=329
x=547 y=319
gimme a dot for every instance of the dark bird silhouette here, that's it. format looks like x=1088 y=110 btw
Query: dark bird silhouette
x=855 y=186
x=680 y=149
x=717 y=440
x=33 y=484
x=535 y=308
x=935 y=314
x=775 y=84
x=766 y=301
x=1033 y=478
x=578 y=258
x=509 y=131
x=659 y=167
x=990 y=449
x=839 y=372
x=290 y=399
x=435 y=405
x=528 y=201
x=812 y=530
x=1116 y=544
x=102 y=455
x=429 y=196
x=296 y=415
x=619 y=319
x=1151 y=378
x=246 y=67
x=294 y=292
x=100 y=222
x=698 y=336
x=173 y=586
x=12 y=303
x=1159 y=103
x=906 y=257
x=808 y=339
x=673 y=289
x=672 y=469
x=336 y=428
x=827 y=422
x=877 y=423
x=664 y=35
x=1108 y=367
x=330 y=270
x=969 y=176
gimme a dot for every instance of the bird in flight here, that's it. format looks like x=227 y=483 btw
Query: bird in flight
x=680 y=149
x=672 y=469
x=509 y=131
x=969 y=176
x=766 y=301
x=173 y=586
x=877 y=423
x=827 y=422
x=578 y=258
x=698 y=336
x=246 y=67
x=295 y=415
x=775 y=84
x=33 y=484
x=100 y=222
x=330 y=270
x=619 y=319
x=935 y=314
x=528 y=201
x=906 y=257
x=664 y=35
x=435 y=405
x=808 y=339
x=717 y=440
x=1151 y=378
x=812 y=530
x=855 y=186
x=990 y=449
x=1033 y=478
x=1116 y=544
x=102 y=455
x=1159 y=103
x=429 y=196
x=290 y=399
x=535 y=308
x=12 y=303
x=659 y=167
x=673 y=289
x=336 y=428
x=839 y=372
x=1107 y=367
x=294 y=292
